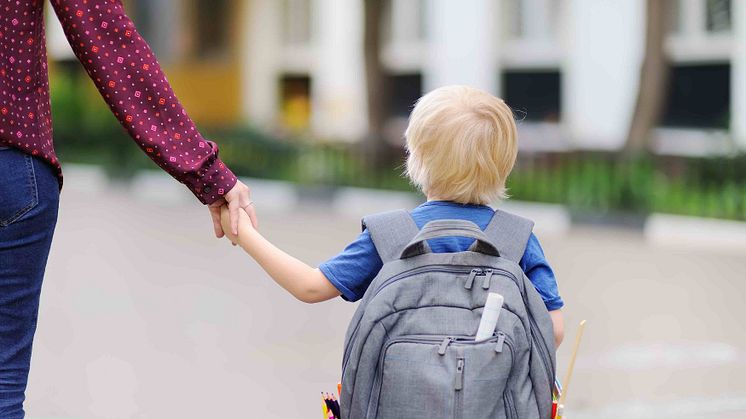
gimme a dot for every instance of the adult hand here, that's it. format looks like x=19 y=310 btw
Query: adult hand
x=237 y=199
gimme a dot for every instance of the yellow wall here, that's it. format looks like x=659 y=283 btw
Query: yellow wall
x=211 y=93
x=211 y=89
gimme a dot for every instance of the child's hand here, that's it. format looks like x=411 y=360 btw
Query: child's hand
x=243 y=222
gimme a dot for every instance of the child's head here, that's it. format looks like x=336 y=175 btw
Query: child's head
x=462 y=145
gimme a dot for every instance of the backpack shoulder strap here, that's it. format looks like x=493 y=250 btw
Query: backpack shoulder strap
x=510 y=233
x=391 y=232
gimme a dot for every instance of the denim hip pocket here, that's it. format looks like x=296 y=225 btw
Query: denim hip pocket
x=18 y=191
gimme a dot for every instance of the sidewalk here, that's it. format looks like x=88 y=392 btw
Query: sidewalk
x=658 y=229
x=145 y=315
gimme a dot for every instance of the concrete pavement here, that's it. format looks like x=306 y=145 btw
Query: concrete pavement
x=144 y=315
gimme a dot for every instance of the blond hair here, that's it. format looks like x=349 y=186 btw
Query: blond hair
x=461 y=145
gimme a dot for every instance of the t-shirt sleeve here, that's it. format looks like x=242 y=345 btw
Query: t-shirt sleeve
x=352 y=271
x=538 y=271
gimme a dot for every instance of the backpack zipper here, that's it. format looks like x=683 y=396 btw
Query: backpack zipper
x=510 y=410
x=458 y=386
x=470 y=280
x=487 y=279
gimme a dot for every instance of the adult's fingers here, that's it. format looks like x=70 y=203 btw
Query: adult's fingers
x=215 y=213
x=251 y=210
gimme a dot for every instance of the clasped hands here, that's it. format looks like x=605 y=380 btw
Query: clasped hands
x=236 y=207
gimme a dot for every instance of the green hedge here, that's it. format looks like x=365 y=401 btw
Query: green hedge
x=709 y=187
x=85 y=131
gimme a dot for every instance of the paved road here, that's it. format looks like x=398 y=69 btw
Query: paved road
x=145 y=316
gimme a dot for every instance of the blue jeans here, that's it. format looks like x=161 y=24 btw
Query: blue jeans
x=29 y=198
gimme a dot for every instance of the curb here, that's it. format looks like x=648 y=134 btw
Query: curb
x=158 y=187
x=682 y=231
x=551 y=219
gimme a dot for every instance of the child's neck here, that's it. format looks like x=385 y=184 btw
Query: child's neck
x=431 y=198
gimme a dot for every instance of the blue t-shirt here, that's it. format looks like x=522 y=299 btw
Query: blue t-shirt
x=352 y=271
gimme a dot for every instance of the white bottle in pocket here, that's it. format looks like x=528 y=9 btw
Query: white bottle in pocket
x=490 y=315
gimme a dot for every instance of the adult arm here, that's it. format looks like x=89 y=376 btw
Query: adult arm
x=130 y=80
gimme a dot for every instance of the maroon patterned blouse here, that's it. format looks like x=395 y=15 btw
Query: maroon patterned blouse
x=128 y=77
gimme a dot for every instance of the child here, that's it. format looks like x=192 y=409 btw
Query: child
x=461 y=145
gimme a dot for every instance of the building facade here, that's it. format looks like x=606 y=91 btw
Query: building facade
x=570 y=68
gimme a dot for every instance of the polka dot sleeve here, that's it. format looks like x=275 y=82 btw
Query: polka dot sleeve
x=130 y=79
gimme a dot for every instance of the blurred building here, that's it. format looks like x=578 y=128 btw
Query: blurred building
x=570 y=68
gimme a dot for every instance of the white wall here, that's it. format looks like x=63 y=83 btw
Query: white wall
x=57 y=46
x=338 y=76
x=462 y=44
x=260 y=64
x=601 y=70
x=738 y=76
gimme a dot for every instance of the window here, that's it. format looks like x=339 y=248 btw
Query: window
x=295 y=91
x=534 y=95
x=406 y=89
x=403 y=21
x=212 y=27
x=698 y=96
x=513 y=11
x=296 y=22
x=531 y=19
x=155 y=20
x=689 y=18
x=718 y=15
x=673 y=16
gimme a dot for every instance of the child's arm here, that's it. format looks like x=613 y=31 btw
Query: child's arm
x=305 y=283
x=538 y=271
x=559 y=326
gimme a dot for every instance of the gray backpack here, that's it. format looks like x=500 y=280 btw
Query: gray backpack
x=410 y=350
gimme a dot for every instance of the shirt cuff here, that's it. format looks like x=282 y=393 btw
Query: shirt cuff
x=555 y=303
x=347 y=294
x=211 y=181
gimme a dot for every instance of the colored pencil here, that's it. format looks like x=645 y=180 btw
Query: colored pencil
x=335 y=407
x=568 y=376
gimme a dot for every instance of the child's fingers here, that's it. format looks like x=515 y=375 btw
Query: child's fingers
x=225 y=218
x=233 y=208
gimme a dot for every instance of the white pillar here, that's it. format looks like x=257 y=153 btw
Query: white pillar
x=337 y=75
x=260 y=61
x=462 y=44
x=738 y=75
x=601 y=71
x=57 y=46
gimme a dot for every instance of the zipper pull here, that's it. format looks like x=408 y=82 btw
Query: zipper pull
x=500 y=342
x=459 y=375
x=487 y=278
x=470 y=280
x=444 y=345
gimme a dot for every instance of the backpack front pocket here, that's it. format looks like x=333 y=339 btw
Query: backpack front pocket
x=441 y=377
